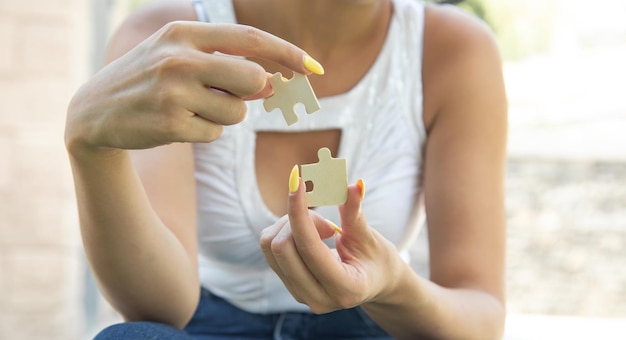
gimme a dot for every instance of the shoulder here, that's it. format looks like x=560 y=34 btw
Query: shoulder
x=145 y=21
x=461 y=58
x=449 y=29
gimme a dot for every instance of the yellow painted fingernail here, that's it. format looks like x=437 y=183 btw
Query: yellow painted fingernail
x=313 y=65
x=361 y=185
x=294 y=179
x=337 y=229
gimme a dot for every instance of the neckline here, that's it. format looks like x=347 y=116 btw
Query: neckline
x=333 y=114
x=229 y=15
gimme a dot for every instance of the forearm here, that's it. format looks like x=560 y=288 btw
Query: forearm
x=142 y=268
x=420 y=309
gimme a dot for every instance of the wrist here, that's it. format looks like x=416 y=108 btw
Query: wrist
x=79 y=148
x=402 y=283
x=80 y=132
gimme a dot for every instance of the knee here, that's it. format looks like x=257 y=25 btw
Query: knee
x=142 y=330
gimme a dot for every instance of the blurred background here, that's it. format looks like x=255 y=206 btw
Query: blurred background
x=566 y=183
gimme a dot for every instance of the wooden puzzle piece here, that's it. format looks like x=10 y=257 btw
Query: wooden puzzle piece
x=287 y=93
x=330 y=180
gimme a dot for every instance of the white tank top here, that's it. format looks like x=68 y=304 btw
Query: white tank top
x=382 y=140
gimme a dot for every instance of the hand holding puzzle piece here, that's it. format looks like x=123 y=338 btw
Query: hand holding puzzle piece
x=287 y=93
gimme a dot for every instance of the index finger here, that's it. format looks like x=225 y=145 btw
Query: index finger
x=248 y=41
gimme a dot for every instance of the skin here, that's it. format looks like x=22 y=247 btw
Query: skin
x=137 y=208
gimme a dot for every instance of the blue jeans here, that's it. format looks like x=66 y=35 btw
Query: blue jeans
x=216 y=319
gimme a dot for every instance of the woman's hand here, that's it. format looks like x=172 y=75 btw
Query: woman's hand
x=173 y=87
x=363 y=268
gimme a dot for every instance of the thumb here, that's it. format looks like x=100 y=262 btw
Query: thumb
x=306 y=226
x=352 y=218
x=265 y=92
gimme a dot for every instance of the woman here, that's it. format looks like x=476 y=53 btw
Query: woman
x=411 y=95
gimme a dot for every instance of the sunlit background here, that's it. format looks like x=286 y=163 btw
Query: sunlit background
x=566 y=188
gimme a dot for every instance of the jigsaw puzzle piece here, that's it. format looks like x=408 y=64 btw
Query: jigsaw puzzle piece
x=287 y=93
x=330 y=180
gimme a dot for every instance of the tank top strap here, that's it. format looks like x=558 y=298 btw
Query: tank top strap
x=215 y=11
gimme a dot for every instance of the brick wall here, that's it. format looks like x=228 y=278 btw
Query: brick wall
x=43 y=53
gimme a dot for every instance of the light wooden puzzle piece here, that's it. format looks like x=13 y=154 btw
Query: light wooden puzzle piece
x=287 y=93
x=330 y=180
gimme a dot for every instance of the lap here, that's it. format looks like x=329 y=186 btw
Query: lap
x=143 y=330
x=217 y=319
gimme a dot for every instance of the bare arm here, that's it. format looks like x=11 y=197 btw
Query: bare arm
x=145 y=267
x=145 y=264
x=137 y=216
x=464 y=190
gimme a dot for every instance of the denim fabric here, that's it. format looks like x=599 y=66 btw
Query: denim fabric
x=142 y=330
x=216 y=319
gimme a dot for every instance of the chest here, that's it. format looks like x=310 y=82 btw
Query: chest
x=276 y=153
x=242 y=177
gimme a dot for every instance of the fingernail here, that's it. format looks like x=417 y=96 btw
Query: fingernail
x=337 y=229
x=361 y=185
x=312 y=65
x=294 y=179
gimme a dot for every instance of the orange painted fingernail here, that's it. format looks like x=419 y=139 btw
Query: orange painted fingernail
x=294 y=179
x=337 y=229
x=361 y=185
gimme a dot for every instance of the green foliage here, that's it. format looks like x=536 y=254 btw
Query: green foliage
x=523 y=27
x=134 y=4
